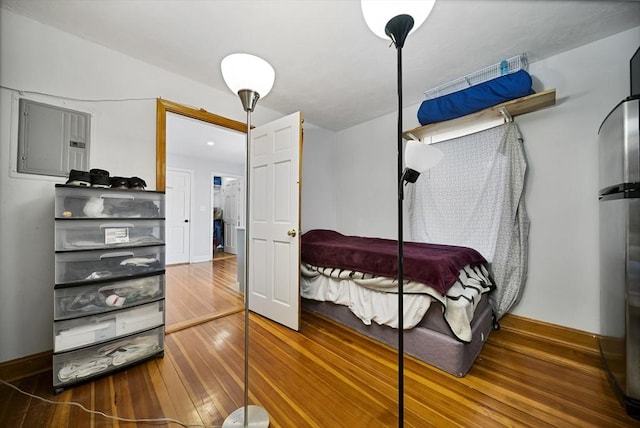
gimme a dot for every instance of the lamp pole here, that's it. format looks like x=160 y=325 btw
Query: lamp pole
x=398 y=18
x=242 y=71
x=398 y=29
x=254 y=415
x=249 y=99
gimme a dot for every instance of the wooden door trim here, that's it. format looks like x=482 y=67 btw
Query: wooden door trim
x=164 y=106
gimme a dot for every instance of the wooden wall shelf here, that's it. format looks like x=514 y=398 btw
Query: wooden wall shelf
x=514 y=108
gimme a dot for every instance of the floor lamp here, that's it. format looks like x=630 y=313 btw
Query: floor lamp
x=395 y=20
x=250 y=77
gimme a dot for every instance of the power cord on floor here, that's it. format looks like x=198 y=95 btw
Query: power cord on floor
x=71 y=403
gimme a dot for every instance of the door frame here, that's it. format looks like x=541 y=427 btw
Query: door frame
x=162 y=107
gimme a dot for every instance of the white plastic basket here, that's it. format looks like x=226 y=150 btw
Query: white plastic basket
x=511 y=65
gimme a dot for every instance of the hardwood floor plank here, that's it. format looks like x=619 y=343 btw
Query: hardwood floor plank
x=76 y=417
x=92 y=421
x=432 y=385
x=139 y=384
x=203 y=319
x=104 y=393
x=545 y=405
x=40 y=414
x=13 y=405
x=529 y=374
x=304 y=373
x=198 y=292
x=205 y=376
x=544 y=375
x=575 y=339
x=327 y=376
x=547 y=350
x=172 y=393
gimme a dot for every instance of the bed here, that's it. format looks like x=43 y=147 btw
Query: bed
x=447 y=317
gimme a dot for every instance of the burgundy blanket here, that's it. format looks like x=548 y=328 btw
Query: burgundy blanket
x=433 y=264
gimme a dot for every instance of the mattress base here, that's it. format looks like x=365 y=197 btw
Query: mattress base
x=433 y=347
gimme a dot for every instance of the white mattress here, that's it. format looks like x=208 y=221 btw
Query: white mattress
x=374 y=298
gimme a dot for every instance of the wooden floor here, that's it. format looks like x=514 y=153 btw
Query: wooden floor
x=325 y=376
x=200 y=292
x=219 y=254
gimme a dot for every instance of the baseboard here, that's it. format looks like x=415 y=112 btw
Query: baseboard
x=26 y=366
x=566 y=336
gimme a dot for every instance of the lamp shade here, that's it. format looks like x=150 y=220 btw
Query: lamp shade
x=245 y=71
x=378 y=12
x=420 y=156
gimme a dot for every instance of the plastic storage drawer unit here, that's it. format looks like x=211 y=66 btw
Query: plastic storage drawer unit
x=109 y=287
x=100 y=265
x=75 y=202
x=81 y=300
x=75 y=366
x=107 y=233
x=80 y=332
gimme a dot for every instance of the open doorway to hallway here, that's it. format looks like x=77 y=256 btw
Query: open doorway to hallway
x=228 y=207
x=203 y=287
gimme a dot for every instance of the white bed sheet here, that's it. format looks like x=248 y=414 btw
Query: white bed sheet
x=374 y=298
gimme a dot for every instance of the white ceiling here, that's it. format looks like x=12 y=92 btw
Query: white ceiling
x=328 y=64
x=189 y=137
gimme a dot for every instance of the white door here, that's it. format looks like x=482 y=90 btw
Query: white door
x=178 y=212
x=231 y=193
x=274 y=223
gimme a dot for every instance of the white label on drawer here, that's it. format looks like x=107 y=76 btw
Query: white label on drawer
x=138 y=320
x=116 y=235
x=84 y=335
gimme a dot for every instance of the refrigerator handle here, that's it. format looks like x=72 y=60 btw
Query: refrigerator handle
x=611 y=190
x=620 y=188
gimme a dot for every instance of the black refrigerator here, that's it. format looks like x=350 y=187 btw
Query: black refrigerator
x=619 y=203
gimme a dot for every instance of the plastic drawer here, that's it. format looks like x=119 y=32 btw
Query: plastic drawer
x=98 y=328
x=104 y=233
x=78 y=202
x=75 y=366
x=73 y=302
x=95 y=265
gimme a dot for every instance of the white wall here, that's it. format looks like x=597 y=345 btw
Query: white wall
x=317 y=202
x=34 y=57
x=562 y=182
x=365 y=178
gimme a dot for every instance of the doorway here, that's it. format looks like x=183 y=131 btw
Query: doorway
x=197 y=290
x=228 y=208
x=275 y=168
